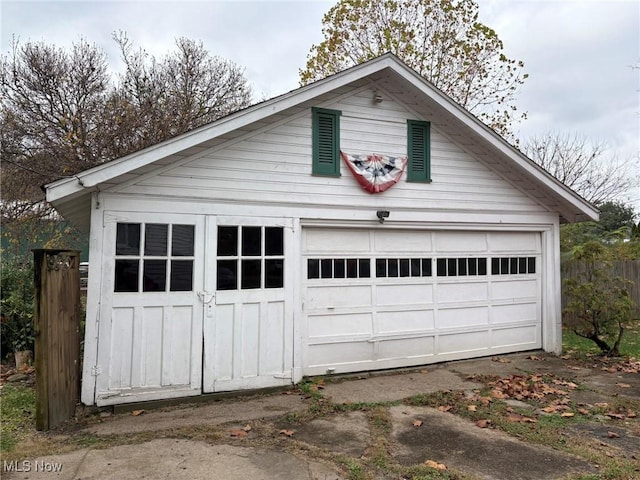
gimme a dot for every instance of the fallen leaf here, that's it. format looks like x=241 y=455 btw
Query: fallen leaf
x=583 y=411
x=436 y=465
x=135 y=413
x=424 y=371
x=288 y=433
x=417 y=423
x=623 y=385
x=238 y=433
x=472 y=408
x=632 y=414
x=550 y=409
x=566 y=357
x=444 y=408
x=617 y=416
x=613 y=435
x=534 y=357
x=483 y=423
x=567 y=414
x=247 y=428
x=601 y=404
x=500 y=360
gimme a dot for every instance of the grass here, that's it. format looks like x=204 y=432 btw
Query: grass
x=17 y=415
x=582 y=347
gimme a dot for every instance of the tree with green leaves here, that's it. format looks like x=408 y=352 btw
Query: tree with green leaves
x=441 y=39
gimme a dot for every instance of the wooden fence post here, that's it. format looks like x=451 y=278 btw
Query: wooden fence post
x=57 y=335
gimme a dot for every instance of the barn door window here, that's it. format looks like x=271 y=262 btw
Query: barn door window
x=326 y=142
x=250 y=257
x=154 y=257
x=418 y=151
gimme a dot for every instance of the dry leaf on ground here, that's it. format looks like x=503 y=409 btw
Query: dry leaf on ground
x=472 y=408
x=613 y=435
x=483 y=423
x=436 y=465
x=238 y=433
x=288 y=433
x=135 y=413
x=417 y=423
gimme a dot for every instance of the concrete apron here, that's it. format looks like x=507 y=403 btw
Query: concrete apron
x=442 y=437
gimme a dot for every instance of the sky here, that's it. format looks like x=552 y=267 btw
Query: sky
x=582 y=56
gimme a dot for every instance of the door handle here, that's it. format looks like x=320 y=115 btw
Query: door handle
x=206 y=297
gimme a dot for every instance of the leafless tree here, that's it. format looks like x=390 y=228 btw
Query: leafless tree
x=586 y=166
x=61 y=112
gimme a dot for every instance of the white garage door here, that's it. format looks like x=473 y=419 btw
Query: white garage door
x=393 y=298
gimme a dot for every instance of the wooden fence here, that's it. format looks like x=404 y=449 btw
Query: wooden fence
x=629 y=269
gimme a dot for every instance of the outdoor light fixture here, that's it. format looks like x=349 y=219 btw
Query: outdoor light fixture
x=382 y=214
x=377 y=98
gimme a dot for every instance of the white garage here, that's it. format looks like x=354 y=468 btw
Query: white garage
x=394 y=298
x=361 y=222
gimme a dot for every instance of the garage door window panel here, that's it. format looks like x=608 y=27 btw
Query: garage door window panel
x=338 y=268
x=513 y=265
x=143 y=261
x=403 y=267
x=250 y=257
x=461 y=267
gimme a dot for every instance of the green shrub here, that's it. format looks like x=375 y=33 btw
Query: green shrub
x=599 y=306
x=16 y=304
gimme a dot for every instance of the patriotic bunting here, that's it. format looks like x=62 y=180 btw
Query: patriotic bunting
x=376 y=173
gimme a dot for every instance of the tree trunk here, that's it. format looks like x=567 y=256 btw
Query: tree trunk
x=615 y=350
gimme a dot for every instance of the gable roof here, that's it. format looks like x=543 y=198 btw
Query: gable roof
x=72 y=196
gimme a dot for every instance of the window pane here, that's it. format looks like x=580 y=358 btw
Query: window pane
x=326 y=271
x=495 y=266
x=274 y=241
x=504 y=266
x=182 y=242
x=251 y=274
x=451 y=267
x=365 y=267
x=274 y=273
x=339 y=268
x=426 y=267
x=181 y=275
x=514 y=266
x=126 y=275
x=415 y=267
x=482 y=266
x=227 y=241
x=392 y=267
x=473 y=266
x=352 y=268
x=462 y=266
x=442 y=267
x=154 y=275
x=155 y=239
x=227 y=275
x=381 y=267
x=531 y=268
x=128 y=239
x=313 y=268
x=522 y=265
x=404 y=267
x=252 y=241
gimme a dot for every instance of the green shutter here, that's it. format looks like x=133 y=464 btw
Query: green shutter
x=326 y=142
x=418 y=151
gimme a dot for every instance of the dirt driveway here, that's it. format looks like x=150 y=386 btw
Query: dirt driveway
x=525 y=416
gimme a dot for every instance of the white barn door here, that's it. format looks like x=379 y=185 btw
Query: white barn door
x=248 y=319
x=150 y=326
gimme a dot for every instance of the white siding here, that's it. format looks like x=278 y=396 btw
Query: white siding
x=274 y=166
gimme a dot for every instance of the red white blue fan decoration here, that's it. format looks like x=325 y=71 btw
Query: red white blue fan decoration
x=376 y=173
